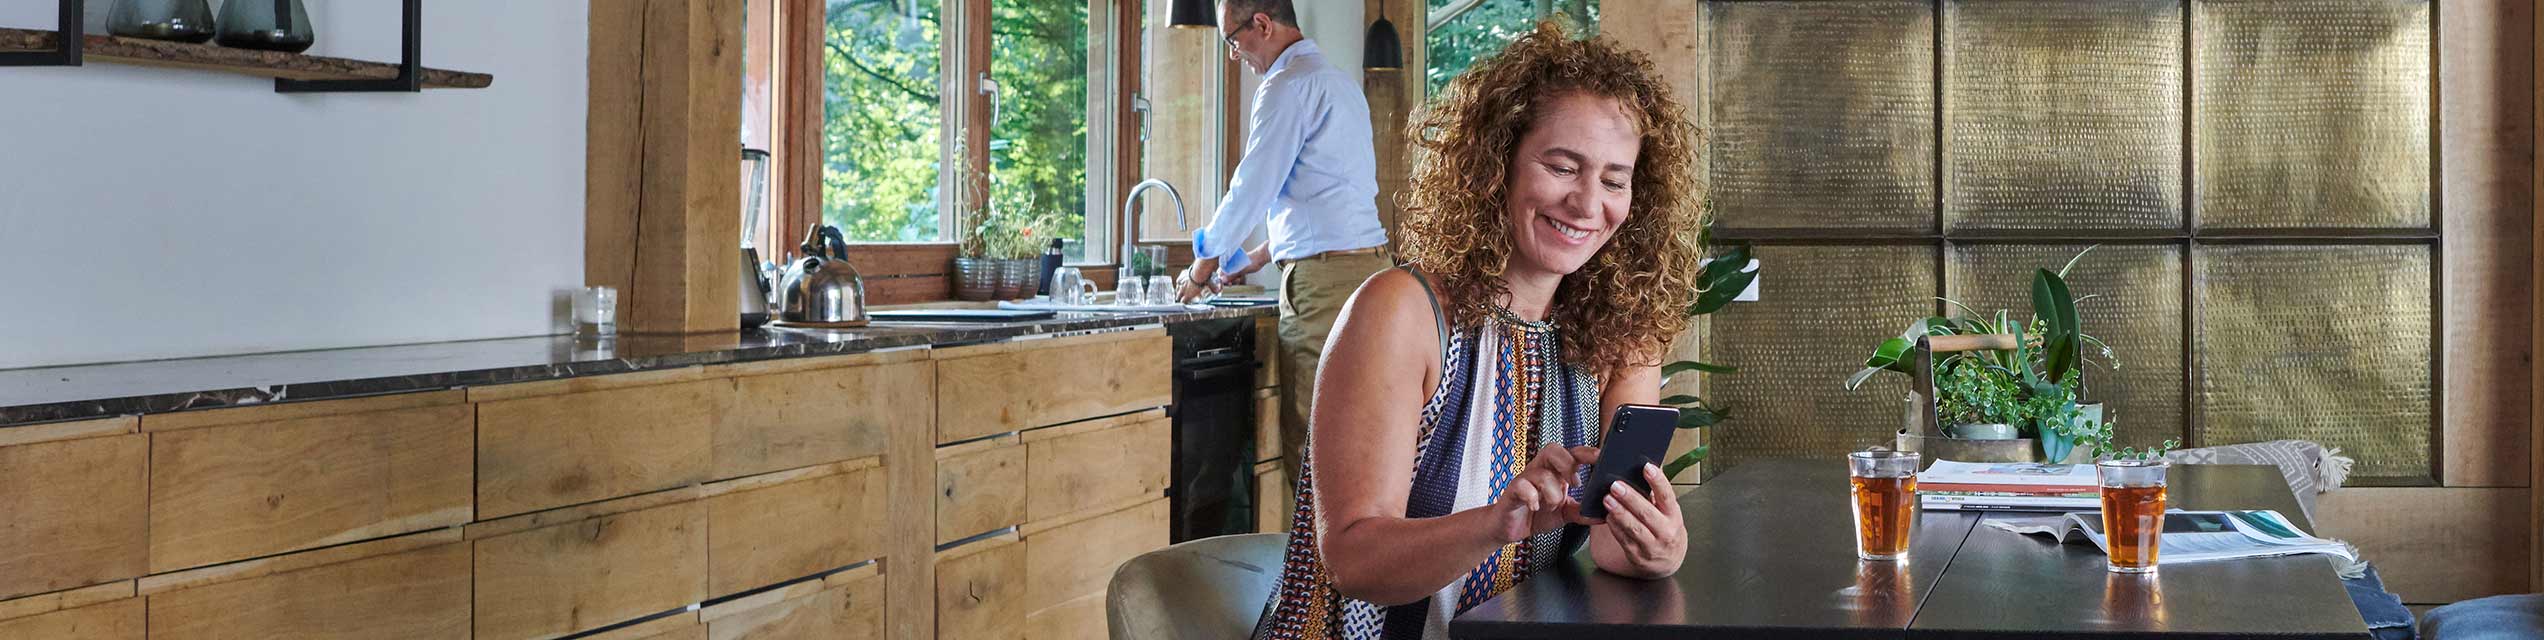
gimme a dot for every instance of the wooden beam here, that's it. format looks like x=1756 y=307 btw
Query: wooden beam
x=613 y=146
x=2535 y=393
x=799 y=198
x=663 y=188
x=1393 y=98
x=2486 y=138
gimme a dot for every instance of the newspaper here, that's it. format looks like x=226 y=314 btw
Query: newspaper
x=2193 y=536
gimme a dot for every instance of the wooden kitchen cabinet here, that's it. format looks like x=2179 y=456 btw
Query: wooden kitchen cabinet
x=423 y=593
x=799 y=413
x=1275 y=497
x=586 y=574
x=1011 y=386
x=845 y=606
x=980 y=487
x=543 y=445
x=1073 y=560
x=1267 y=353
x=1098 y=463
x=763 y=536
x=1267 y=425
x=980 y=590
x=117 y=620
x=77 y=513
x=240 y=491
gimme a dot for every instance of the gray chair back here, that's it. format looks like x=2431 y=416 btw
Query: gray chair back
x=1207 y=588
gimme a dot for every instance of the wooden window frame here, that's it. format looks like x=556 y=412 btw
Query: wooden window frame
x=916 y=272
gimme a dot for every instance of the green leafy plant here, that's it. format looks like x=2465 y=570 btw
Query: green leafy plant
x=1722 y=281
x=2036 y=385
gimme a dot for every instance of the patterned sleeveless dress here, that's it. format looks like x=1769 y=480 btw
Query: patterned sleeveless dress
x=1504 y=393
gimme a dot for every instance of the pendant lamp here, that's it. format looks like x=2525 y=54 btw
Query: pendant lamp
x=1193 y=13
x=1384 y=51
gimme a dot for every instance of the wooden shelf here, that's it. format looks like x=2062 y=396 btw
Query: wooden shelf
x=207 y=57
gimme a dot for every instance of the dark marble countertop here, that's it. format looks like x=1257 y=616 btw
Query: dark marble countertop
x=78 y=392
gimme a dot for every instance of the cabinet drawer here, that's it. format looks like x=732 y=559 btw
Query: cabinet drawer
x=1077 y=467
x=763 y=536
x=1267 y=425
x=77 y=510
x=1080 y=618
x=980 y=590
x=1077 y=559
x=234 y=492
x=590 y=573
x=118 y=620
x=820 y=416
x=549 y=451
x=980 y=487
x=991 y=389
x=849 y=611
x=414 y=594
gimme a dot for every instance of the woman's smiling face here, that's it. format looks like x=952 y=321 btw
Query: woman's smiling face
x=1571 y=183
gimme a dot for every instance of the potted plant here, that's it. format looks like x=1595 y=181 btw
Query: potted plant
x=975 y=271
x=1724 y=278
x=2035 y=384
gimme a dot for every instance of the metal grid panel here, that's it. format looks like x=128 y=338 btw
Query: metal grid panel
x=1823 y=113
x=2138 y=313
x=2063 y=114
x=2312 y=113
x=2324 y=343
x=1821 y=311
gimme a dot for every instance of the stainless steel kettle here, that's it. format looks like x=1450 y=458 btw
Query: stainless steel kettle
x=821 y=287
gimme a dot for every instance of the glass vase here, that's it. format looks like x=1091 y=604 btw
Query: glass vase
x=267 y=25
x=172 y=20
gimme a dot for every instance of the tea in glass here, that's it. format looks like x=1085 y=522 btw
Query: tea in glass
x=2132 y=512
x=1885 y=487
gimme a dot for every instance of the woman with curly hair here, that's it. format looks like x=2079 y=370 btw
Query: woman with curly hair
x=1553 y=231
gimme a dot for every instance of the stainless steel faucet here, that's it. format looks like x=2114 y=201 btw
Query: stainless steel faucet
x=1130 y=213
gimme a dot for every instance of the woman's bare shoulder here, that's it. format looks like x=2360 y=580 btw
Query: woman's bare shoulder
x=1394 y=305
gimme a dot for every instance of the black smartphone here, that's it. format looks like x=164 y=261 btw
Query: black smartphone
x=1639 y=434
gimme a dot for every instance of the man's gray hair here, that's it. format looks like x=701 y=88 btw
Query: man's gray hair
x=1279 y=10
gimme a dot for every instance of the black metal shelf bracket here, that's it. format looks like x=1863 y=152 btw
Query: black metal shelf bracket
x=410 y=77
x=67 y=40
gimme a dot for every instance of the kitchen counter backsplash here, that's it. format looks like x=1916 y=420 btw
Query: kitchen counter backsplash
x=52 y=394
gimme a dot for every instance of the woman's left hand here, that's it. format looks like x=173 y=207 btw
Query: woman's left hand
x=1647 y=528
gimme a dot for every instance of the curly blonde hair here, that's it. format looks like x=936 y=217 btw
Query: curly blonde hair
x=1622 y=308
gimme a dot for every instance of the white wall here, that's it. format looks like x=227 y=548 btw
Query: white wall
x=151 y=213
x=1335 y=25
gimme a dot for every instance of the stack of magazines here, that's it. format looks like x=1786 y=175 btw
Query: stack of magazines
x=2009 y=486
x=2193 y=536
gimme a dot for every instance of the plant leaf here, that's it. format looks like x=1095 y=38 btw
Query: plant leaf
x=2071 y=262
x=1700 y=416
x=2053 y=304
x=1722 y=281
x=1682 y=400
x=2059 y=357
x=1684 y=461
x=1887 y=357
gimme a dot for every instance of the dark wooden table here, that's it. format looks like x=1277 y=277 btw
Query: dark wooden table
x=1770 y=555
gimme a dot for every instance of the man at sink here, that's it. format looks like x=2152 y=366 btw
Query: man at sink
x=1310 y=173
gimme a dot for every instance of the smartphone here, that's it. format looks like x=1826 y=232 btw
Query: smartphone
x=1639 y=434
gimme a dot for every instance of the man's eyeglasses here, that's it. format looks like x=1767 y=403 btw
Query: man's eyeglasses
x=1231 y=36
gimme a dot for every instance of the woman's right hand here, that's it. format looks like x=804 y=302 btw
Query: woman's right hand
x=1540 y=499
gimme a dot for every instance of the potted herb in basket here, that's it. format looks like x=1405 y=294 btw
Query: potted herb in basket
x=2029 y=375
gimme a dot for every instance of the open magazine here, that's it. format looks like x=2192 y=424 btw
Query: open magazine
x=2192 y=536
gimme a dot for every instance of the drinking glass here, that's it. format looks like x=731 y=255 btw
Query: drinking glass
x=2132 y=511
x=1885 y=487
x=1161 y=290
x=1130 y=292
x=1069 y=287
x=596 y=311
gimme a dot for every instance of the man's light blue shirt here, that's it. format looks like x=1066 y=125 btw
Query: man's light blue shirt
x=1309 y=168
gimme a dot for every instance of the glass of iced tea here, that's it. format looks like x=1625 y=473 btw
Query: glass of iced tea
x=1885 y=488
x=2132 y=511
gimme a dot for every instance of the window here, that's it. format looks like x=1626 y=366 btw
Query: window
x=1464 y=31
x=882 y=142
x=1038 y=133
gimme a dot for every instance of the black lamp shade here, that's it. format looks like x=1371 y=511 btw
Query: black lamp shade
x=1384 y=51
x=1193 y=13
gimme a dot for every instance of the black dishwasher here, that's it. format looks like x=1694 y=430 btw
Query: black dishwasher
x=1213 y=485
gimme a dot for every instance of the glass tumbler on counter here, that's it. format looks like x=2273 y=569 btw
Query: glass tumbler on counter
x=1161 y=290
x=1131 y=291
x=1884 y=484
x=596 y=311
x=2132 y=511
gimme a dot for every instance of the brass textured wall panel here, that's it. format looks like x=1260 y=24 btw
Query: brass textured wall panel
x=1823 y=113
x=2330 y=344
x=2139 y=314
x=1821 y=311
x=2311 y=113
x=2063 y=114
